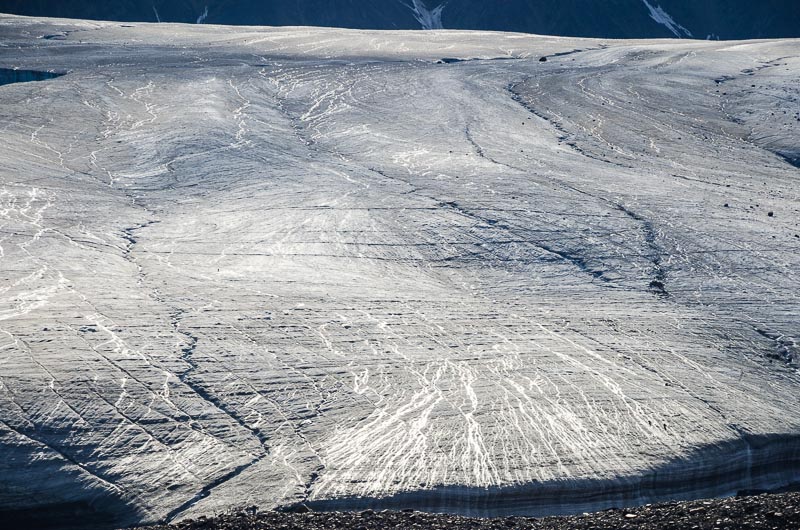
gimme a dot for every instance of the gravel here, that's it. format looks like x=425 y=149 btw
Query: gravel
x=768 y=512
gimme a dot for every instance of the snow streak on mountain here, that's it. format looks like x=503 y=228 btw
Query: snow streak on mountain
x=203 y=16
x=428 y=19
x=663 y=18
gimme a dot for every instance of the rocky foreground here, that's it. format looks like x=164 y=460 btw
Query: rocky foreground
x=754 y=512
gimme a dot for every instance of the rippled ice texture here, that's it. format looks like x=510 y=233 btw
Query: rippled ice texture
x=260 y=266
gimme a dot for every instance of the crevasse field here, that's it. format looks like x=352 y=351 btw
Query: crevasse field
x=350 y=269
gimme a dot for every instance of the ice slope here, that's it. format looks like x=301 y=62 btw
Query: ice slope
x=249 y=266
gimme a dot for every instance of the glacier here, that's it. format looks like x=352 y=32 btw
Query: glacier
x=284 y=266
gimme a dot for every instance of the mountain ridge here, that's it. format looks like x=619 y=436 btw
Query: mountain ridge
x=704 y=19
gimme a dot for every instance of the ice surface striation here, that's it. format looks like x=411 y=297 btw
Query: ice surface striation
x=253 y=266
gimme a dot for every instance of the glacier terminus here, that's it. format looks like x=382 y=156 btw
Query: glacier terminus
x=353 y=269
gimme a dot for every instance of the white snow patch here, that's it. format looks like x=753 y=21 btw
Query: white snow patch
x=202 y=17
x=662 y=17
x=428 y=18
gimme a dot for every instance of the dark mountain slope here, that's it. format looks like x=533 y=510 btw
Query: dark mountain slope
x=726 y=19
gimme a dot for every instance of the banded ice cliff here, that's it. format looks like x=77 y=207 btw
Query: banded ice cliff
x=260 y=266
